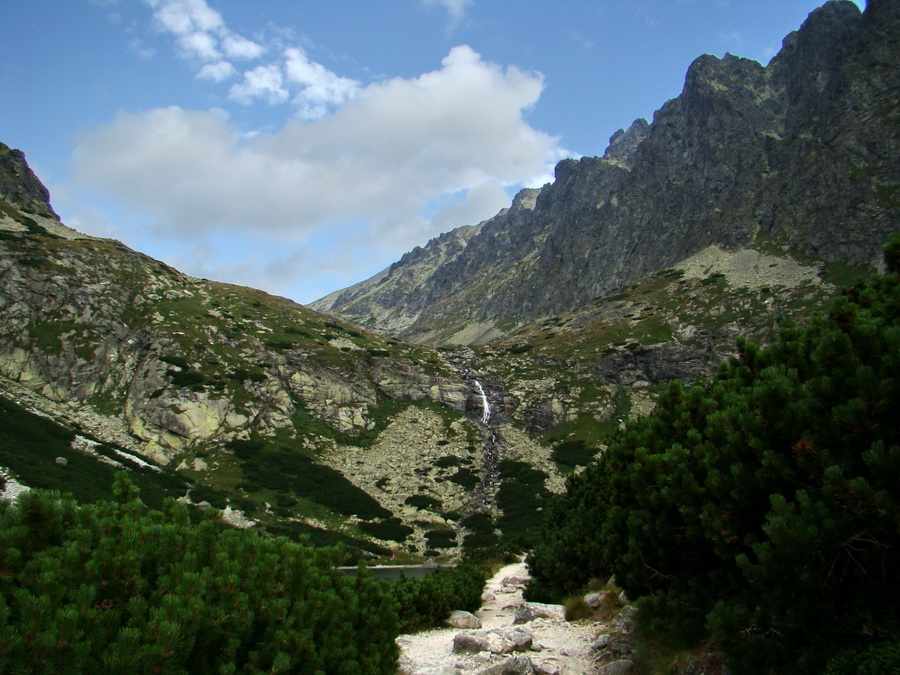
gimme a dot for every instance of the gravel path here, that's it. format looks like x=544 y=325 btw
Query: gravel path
x=558 y=646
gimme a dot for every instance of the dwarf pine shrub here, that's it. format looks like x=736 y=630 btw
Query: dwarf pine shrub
x=758 y=510
x=113 y=587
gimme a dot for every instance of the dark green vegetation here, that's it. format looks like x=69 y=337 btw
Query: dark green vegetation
x=113 y=587
x=428 y=601
x=30 y=444
x=570 y=454
x=291 y=472
x=760 y=510
x=521 y=493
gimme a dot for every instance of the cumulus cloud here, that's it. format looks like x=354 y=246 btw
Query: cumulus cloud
x=199 y=45
x=263 y=82
x=321 y=89
x=201 y=36
x=382 y=158
x=217 y=72
x=183 y=17
x=237 y=47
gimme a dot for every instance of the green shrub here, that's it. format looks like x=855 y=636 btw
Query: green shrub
x=423 y=502
x=187 y=378
x=30 y=444
x=428 y=601
x=288 y=471
x=444 y=538
x=448 y=461
x=573 y=453
x=389 y=529
x=480 y=533
x=111 y=587
x=466 y=478
x=760 y=509
x=521 y=492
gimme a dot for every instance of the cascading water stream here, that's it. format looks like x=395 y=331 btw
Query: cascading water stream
x=482 y=496
x=485 y=404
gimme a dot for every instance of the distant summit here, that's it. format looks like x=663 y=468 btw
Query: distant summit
x=20 y=187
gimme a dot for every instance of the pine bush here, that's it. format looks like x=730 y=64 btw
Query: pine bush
x=760 y=509
x=112 y=587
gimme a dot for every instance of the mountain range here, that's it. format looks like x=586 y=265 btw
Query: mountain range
x=439 y=403
x=803 y=150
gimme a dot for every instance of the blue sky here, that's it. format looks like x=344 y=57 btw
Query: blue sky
x=300 y=146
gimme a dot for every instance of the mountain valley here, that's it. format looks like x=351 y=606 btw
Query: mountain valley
x=750 y=200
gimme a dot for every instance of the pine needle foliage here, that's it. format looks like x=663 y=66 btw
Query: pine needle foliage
x=761 y=509
x=114 y=588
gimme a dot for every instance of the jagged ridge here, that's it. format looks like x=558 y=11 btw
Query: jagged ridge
x=804 y=148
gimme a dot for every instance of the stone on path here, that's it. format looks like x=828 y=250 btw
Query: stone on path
x=461 y=619
x=529 y=611
x=517 y=665
x=496 y=641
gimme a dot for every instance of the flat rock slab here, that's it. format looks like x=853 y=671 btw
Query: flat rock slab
x=496 y=641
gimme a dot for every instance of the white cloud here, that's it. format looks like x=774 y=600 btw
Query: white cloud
x=201 y=36
x=237 y=47
x=199 y=45
x=377 y=165
x=263 y=82
x=320 y=90
x=480 y=202
x=217 y=72
x=182 y=17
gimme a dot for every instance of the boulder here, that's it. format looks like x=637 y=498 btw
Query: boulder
x=461 y=619
x=516 y=665
x=621 y=667
x=625 y=621
x=529 y=611
x=514 y=581
x=496 y=641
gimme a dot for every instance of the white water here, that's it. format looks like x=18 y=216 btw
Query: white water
x=485 y=404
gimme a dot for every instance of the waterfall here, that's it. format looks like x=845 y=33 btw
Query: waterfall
x=485 y=404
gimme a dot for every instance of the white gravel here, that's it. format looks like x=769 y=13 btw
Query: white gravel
x=559 y=646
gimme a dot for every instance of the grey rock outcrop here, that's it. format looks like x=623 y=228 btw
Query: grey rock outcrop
x=20 y=187
x=802 y=149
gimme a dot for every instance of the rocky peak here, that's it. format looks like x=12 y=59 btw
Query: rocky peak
x=20 y=187
x=623 y=144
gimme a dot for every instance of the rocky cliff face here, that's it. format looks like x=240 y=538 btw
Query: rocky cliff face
x=803 y=149
x=20 y=187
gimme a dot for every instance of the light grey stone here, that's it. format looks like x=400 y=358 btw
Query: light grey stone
x=461 y=619
x=529 y=611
